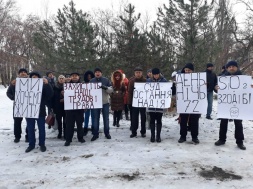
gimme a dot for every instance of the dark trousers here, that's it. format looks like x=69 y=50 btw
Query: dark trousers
x=72 y=117
x=126 y=109
x=60 y=117
x=238 y=130
x=31 y=129
x=116 y=116
x=193 y=121
x=135 y=120
x=18 y=128
x=156 y=116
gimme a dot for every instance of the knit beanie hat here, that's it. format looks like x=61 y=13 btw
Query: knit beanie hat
x=209 y=65
x=189 y=66
x=232 y=63
x=97 y=70
x=155 y=71
x=22 y=70
x=34 y=73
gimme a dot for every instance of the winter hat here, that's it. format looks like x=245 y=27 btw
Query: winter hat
x=138 y=69
x=209 y=65
x=34 y=73
x=47 y=73
x=149 y=71
x=189 y=66
x=61 y=76
x=97 y=70
x=74 y=73
x=232 y=63
x=22 y=70
x=174 y=74
x=155 y=71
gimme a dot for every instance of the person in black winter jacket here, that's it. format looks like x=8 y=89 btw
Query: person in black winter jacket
x=74 y=117
x=232 y=69
x=22 y=73
x=58 y=106
x=88 y=75
x=156 y=113
x=51 y=81
x=211 y=79
x=191 y=119
x=47 y=93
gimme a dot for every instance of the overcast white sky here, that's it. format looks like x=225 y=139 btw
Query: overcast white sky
x=39 y=7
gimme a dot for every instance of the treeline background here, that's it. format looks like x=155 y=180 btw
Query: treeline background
x=196 y=31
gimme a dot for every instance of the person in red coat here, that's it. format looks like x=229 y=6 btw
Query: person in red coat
x=126 y=82
x=117 y=97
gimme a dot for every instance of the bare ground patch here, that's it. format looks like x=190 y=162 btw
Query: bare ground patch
x=219 y=174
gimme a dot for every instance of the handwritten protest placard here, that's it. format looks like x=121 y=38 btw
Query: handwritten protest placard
x=28 y=93
x=152 y=95
x=82 y=96
x=235 y=97
x=191 y=93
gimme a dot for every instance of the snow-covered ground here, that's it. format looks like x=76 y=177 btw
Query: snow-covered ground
x=126 y=163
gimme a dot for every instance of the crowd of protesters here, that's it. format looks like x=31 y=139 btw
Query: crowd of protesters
x=117 y=95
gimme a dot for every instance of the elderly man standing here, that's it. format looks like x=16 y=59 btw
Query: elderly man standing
x=106 y=90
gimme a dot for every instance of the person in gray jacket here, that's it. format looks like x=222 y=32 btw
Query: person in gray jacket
x=106 y=90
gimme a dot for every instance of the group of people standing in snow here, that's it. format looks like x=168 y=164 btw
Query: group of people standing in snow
x=117 y=93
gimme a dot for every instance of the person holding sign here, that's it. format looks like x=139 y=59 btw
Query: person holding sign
x=22 y=73
x=156 y=113
x=232 y=69
x=191 y=119
x=117 y=97
x=106 y=90
x=47 y=93
x=138 y=77
x=73 y=117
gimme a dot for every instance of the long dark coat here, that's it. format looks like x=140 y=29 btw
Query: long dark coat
x=117 y=97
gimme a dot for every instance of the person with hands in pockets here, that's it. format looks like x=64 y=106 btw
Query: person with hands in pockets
x=106 y=91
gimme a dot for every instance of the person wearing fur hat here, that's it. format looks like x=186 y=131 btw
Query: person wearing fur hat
x=191 y=119
x=47 y=93
x=22 y=73
x=74 y=117
x=156 y=113
x=138 y=77
x=232 y=69
x=117 y=97
x=88 y=75
x=211 y=80
x=106 y=91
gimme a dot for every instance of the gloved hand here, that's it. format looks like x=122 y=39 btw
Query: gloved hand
x=104 y=87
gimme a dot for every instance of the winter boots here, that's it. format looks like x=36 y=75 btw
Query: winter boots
x=158 y=132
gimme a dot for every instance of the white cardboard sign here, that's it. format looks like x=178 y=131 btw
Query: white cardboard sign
x=152 y=95
x=28 y=94
x=82 y=96
x=235 y=97
x=191 y=93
